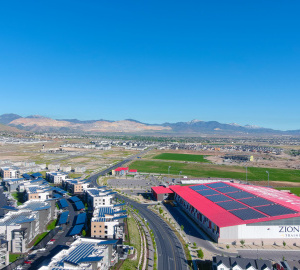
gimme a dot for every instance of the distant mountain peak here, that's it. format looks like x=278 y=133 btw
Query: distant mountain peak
x=252 y=126
x=235 y=124
x=194 y=121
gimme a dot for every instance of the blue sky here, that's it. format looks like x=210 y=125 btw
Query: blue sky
x=153 y=61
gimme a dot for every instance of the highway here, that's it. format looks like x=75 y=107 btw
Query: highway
x=170 y=251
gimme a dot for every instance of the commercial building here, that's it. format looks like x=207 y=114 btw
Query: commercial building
x=107 y=222
x=230 y=212
x=56 y=177
x=161 y=193
x=84 y=253
x=99 y=197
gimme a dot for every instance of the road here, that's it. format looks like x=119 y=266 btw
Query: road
x=44 y=257
x=170 y=251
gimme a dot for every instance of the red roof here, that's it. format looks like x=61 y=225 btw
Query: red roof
x=224 y=218
x=161 y=190
x=119 y=169
x=132 y=170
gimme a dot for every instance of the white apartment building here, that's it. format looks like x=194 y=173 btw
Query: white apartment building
x=99 y=197
x=56 y=177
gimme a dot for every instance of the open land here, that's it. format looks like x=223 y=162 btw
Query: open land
x=182 y=157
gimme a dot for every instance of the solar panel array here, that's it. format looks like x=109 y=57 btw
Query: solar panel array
x=256 y=201
x=246 y=214
x=219 y=198
x=79 y=205
x=62 y=203
x=230 y=205
x=63 y=218
x=76 y=229
x=240 y=203
x=81 y=218
x=83 y=250
x=207 y=192
x=275 y=210
x=228 y=189
x=74 y=199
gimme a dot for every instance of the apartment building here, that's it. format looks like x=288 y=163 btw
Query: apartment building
x=88 y=254
x=107 y=222
x=99 y=197
x=56 y=177
x=35 y=192
x=75 y=186
x=9 y=172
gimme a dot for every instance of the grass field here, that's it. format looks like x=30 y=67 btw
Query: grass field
x=218 y=171
x=19 y=197
x=182 y=157
x=134 y=241
x=51 y=226
x=39 y=238
x=13 y=257
x=295 y=190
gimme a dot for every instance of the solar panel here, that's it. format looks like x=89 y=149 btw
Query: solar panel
x=76 y=229
x=246 y=214
x=63 y=218
x=217 y=185
x=81 y=218
x=218 y=198
x=240 y=195
x=276 y=210
x=230 y=205
x=199 y=187
x=228 y=189
x=79 y=205
x=62 y=203
x=74 y=199
x=256 y=201
x=207 y=192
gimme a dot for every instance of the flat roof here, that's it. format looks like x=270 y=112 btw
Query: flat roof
x=238 y=203
x=161 y=190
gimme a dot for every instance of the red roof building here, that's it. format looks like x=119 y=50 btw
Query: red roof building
x=229 y=212
x=161 y=193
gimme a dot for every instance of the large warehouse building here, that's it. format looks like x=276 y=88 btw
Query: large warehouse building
x=230 y=212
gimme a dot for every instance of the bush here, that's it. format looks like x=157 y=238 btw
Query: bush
x=200 y=253
x=227 y=246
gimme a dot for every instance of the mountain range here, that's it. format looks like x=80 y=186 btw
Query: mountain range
x=37 y=123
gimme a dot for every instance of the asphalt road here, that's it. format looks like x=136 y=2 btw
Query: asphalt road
x=44 y=257
x=170 y=251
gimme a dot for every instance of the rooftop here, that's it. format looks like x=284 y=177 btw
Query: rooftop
x=229 y=204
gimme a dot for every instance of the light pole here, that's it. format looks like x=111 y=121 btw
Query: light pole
x=268 y=177
x=246 y=175
x=169 y=171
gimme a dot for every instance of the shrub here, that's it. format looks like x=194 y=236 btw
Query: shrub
x=200 y=253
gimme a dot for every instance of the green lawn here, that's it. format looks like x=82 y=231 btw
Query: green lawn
x=38 y=238
x=182 y=157
x=13 y=257
x=134 y=241
x=18 y=196
x=295 y=190
x=218 y=171
x=51 y=226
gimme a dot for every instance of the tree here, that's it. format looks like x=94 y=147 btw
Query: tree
x=195 y=245
x=182 y=227
x=284 y=243
x=227 y=246
x=200 y=253
x=242 y=242
x=160 y=210
x=83 y=233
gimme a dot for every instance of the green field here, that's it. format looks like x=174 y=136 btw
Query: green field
x=218 y=171
x=294 y=190
x=182 y=157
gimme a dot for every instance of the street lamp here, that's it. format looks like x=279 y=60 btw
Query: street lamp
x=268 y=177
x=246 y=175
x=169 y=171
x=180 y=175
